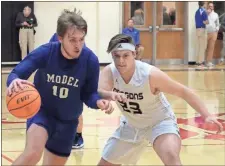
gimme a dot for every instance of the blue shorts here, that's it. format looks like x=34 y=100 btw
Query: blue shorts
x=60 y=133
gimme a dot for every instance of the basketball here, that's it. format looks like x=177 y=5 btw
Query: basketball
x=25 y=103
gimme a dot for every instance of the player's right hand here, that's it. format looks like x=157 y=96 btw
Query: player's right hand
x=105 y=105
x=17 y=85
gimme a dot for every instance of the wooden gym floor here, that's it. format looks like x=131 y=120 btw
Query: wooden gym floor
x=200 y=144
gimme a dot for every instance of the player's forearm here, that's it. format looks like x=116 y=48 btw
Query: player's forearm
x=195 y=102
x=104 y=93
x=12 y=76
x=22 y=71
x=91 y=100
x=35 y=60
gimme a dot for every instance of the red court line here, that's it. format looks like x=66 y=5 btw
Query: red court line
x=14 y=129
x=7 y=158
x=10 y=122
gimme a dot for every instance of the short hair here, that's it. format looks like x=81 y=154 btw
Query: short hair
x=210 y=2
x=70 y=19
x=130 y=19
x=27 y=7
x=119 y=38
x=201 y=3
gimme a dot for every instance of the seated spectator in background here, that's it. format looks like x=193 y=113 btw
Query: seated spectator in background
x=26 y=21
x=135 y=34
x=212 y=30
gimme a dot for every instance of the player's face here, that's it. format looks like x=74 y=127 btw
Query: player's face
x=72 y=43
x=124 y=60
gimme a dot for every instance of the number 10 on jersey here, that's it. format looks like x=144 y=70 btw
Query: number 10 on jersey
x=60 y=92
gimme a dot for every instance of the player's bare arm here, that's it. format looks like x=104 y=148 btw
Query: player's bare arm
x=105 y=86
x=161 y=82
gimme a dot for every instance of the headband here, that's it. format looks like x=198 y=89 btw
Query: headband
x=124 y=46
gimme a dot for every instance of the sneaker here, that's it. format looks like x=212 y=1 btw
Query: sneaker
x=201 y=65
x=221 y=63
x=210 y=64
x=78 y=142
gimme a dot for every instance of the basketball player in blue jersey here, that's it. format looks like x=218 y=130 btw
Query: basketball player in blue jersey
x=67 y=75
x=78 y=141
x=147 y=115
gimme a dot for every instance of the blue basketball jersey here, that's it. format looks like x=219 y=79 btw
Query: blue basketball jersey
x=63 y=84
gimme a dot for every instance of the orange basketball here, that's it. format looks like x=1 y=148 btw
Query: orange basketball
x=25 y=103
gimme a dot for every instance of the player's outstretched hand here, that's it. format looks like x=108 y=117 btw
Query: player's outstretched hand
x=17 y=85
x=118 y=97
x=213 y=119
x=105 y=105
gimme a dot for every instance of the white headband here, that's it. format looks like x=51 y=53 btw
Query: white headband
x=124 y=46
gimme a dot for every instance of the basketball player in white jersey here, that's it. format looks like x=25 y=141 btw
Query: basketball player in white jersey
x=147 y=115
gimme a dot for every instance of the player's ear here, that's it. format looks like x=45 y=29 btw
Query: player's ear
x=60 y=39
x=134 y=53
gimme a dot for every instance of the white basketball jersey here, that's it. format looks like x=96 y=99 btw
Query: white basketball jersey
x=143 y=108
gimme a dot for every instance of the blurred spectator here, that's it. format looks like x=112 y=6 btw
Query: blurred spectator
x=222 y=28
x=26 y=21
x=201 y=19
x=138 y=17
x=135 y=34
x=212 y=30
x=172 y=14
x=166 y=17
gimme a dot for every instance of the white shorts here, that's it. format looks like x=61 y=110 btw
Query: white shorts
x=127 y=143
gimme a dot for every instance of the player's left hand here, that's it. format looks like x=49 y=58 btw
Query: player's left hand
x=213 y=119
x=105 y=105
